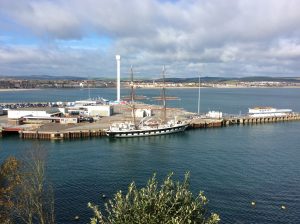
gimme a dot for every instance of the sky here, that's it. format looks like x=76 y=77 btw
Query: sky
x=222 y=38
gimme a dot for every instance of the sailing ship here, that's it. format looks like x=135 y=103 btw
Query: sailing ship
x=147 y=126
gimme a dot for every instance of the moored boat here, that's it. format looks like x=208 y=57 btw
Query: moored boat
x=126 y=130
x=268 y=112
x=147 y=126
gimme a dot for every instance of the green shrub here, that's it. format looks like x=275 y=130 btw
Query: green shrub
x=172 y=202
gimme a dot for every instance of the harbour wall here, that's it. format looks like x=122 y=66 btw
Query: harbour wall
x=194 y=124
x=61 y=135
x=240 y=120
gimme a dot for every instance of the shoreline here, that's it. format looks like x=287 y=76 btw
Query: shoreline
x=171 y=87
x=226 y=87
x=17 y=90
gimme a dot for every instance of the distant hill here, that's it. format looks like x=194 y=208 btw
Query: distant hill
x=271 y=79
x=175 y=80
x=44 y=77
x=242 y=79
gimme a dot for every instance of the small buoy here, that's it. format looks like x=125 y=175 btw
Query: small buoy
x=283 y=207
x=76 y=217
x=253 y=203
x=103 y=196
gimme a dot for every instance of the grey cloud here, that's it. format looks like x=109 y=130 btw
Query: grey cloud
x=55 y=61
x=208 y=21
x=247 y=37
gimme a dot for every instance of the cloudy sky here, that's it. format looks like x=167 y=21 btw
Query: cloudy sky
x=232 y=38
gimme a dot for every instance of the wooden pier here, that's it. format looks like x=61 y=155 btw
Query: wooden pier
x=61 y=135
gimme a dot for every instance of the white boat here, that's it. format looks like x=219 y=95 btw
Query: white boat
x=268 y=112
x=126 y=130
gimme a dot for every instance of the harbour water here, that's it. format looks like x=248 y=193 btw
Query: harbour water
x=233 y=165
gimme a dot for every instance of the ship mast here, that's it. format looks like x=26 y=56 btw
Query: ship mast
x=131 y=85
x=199 y=96
x=163 y=97
x=132 y=96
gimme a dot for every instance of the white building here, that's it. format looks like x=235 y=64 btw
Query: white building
x=143 y=113
x=68 y=120
x=91 y=110
x=214 y=114
x=99 y=110
x=33 y=112
x=86 y=102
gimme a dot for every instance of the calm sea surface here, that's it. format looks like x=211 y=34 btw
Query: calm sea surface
x=233 y=165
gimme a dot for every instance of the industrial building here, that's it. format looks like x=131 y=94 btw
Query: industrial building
x=214 y=114
x=33 y=112
x=143 y=113
x=90 y=108
x=34 y=115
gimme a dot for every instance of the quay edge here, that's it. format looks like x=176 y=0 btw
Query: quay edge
x=194 y=124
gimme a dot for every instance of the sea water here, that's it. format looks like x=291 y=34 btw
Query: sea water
x=233 y=165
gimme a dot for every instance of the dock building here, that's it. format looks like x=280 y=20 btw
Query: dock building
x=90 y=108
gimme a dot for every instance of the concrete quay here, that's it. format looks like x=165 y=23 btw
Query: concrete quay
x=97 y=128
x=61 y=135
x=240 y=120
x=259 y=120
x=194 y=124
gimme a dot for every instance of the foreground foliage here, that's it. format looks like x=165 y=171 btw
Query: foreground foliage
x=9 y=181
x=25 y=195
x=172 y=202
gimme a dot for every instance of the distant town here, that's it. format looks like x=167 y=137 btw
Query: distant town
x=209 y=82
x=221 y=84
x=41 y=84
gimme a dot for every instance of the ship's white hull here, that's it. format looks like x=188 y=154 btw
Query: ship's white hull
x=146 y=132
x=268 y=115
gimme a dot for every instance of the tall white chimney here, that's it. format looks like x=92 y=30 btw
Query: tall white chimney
x=118 y=58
